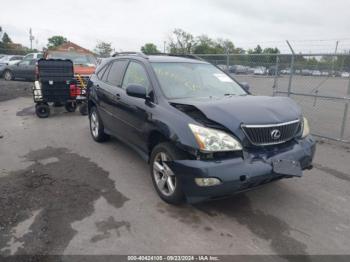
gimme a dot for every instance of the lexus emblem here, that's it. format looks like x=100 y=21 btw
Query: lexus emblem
x=275 y=134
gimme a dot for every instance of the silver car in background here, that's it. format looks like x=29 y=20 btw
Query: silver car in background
x=7 y=60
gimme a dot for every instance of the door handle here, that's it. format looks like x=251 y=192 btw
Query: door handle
x=118 y=96
x=98 y=86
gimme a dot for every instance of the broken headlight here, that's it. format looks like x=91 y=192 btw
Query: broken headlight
x=213 y=140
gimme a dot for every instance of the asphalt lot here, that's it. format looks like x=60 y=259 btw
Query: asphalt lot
x=62 y=193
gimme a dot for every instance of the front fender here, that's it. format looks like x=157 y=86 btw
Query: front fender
x=174 y=127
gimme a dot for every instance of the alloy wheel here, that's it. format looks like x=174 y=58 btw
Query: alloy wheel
x=163 y=175
x=8 y=75
x=94 y=123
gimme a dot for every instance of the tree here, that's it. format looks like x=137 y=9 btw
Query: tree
x=181 y=42
x=56 y=40
x=256 y=50
x=6 y=39
x=103 y=49
x=204 y=45
x=149 y=48
x=1 y=44
x=270 y=50
x=5 y=43
x=225 y=46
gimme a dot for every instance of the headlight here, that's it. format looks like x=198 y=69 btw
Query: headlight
x=212 y=140
x=306 y=128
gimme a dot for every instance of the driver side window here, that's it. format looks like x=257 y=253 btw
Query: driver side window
x=136 y=74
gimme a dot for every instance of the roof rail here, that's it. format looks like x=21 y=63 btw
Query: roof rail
x=130 y=53
x=192 y=56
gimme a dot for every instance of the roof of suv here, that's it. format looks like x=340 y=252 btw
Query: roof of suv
x=174 y=59
x=162 y=57
x=166 y=58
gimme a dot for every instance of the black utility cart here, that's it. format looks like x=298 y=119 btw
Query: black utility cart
x=56 y=84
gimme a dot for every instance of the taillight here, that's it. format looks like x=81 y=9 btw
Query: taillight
x=74 y=90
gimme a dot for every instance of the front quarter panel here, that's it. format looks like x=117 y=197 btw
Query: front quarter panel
x=174 y=126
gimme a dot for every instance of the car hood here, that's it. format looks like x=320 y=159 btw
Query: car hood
x=233 y=111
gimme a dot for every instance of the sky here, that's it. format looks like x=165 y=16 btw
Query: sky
x=310 y=25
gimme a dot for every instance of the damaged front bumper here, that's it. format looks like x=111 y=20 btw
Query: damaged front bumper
x=255 y=168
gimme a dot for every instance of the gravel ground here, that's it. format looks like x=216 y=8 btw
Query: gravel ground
x=13 y=89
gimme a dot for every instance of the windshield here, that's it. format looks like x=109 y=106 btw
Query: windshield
x=184 y=80
x=77 y=58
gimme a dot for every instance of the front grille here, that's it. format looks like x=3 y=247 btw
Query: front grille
x=263 y=135
x=81 y=79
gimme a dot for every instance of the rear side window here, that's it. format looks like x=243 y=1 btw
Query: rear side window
x=102 y=71
x=115 y=74
x=105 y=73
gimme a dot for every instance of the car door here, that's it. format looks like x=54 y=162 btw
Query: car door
x=108 y=94
x=29 y=71
x=133 y=113
x=99 y=80
x=20 y=69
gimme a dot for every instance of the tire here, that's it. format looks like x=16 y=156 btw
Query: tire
x=164 y=181
x=96 y=126
x=83 y=109
x=70 y=106
x=8 y=75
x=42 y=110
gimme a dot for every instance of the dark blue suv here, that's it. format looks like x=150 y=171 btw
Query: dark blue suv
x=203 y=134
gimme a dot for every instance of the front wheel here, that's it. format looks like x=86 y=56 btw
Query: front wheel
x=42 y=110
x=8 y=75
x=165 y=181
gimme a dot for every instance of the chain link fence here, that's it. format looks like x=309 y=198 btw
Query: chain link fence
x=319 y=83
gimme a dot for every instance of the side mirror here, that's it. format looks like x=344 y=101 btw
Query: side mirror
x=245 y=86
x=136 y=91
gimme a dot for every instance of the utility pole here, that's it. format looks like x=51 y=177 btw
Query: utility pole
x=334 y=57
x=31 y=38
x=164 y=46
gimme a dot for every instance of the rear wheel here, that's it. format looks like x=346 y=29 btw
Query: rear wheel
x=42 y=110
x=70 y=106
x=165 y=181
x=96 y=126
x=8 y=75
